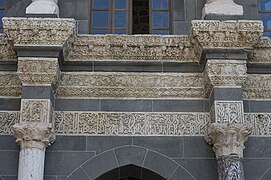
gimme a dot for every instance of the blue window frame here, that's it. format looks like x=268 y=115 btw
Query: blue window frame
x=115 y=16
x=265 y=15
x=2 y=13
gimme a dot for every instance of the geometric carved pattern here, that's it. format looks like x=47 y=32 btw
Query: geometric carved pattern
x=36 y=111
x=131 y=85
x=138 y=47
x=227 y=112
x=257 y=86
x=7 y=52
x=10 y=84
x=101 y=123
x=7 y=120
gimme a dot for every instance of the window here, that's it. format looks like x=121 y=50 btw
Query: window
x=2 y=13
x=130 y=17
x=265 y=15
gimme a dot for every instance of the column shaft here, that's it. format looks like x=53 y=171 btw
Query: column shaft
x=230 y=168
x=31 y=164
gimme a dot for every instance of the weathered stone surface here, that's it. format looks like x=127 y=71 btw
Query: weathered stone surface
x=227 y=112
x=132 y=48
x=38 y=71
x=131 y=123
x=7 y=52
x=7 y=120
x=228 y=139
x=261 y=52
x=43 y=7
x=222 y=7
x=230 y=168
x=243 y=34
x=132 y=85
x=10 y=84
x=226 y=72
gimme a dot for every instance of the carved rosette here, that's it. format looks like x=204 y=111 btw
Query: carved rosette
x=34 y=135
x=38 y=71
x=226 y=72
x=241 y=34
x=228 y=139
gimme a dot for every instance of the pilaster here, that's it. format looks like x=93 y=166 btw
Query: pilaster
x=223 y=47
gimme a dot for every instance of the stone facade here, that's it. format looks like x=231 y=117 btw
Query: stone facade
x=142 y=106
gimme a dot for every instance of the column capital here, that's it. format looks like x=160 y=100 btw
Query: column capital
x=43 y=8
x=34 y=135
x=228 y=139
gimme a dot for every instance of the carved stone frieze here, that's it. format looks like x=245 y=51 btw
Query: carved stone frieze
x=10 y=84
x=228 y=139
x=40 y=32
x=227 y=112
x=38 y=70
x=101 y=123
x=6 y=50
x=7 y=120
x=131 y=85
x=226 y=72
x=257 y=86
x=136 y=47
x=34 y=135
x=261 y=123
x=36 y=110
x=261 y=52
x=242 y=34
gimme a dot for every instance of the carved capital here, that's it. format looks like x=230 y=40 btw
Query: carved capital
x=228 y=139
x=226 y=72
x=38 y=71
x=34 y=135
x=242 y=34
x=43 y=7
x=222 y=7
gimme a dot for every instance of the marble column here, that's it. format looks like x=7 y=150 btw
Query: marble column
x=40 y=8
x=228 y=144
x=33 y=139
x=222 y=7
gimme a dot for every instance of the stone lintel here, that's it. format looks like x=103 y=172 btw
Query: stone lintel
x=34 y=135
x=228 y=139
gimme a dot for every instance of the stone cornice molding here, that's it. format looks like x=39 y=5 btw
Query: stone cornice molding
x=34 y=135
x=242 y=34
x=40 y=32
x=228 y=139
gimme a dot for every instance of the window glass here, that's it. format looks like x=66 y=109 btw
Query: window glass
x=120 y=31
x=100 y=31
x=264 y=5
x=120 y=4
x=160 y=4
x=162 y=32
x=120 y=19
x=100 y=4
x=100 y=19
x=160 y=19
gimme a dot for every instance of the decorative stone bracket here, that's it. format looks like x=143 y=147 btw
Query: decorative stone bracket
x=228 y=139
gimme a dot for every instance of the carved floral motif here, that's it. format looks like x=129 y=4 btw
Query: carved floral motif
x=226 y=72
x=6 y=50
x=100 y=123
x=228 y=139
x=134 y=85
x=261 y=52
x=10 y=84
x=136 y=47
x=227 y=112
x=7 y=120
x=36 y=110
